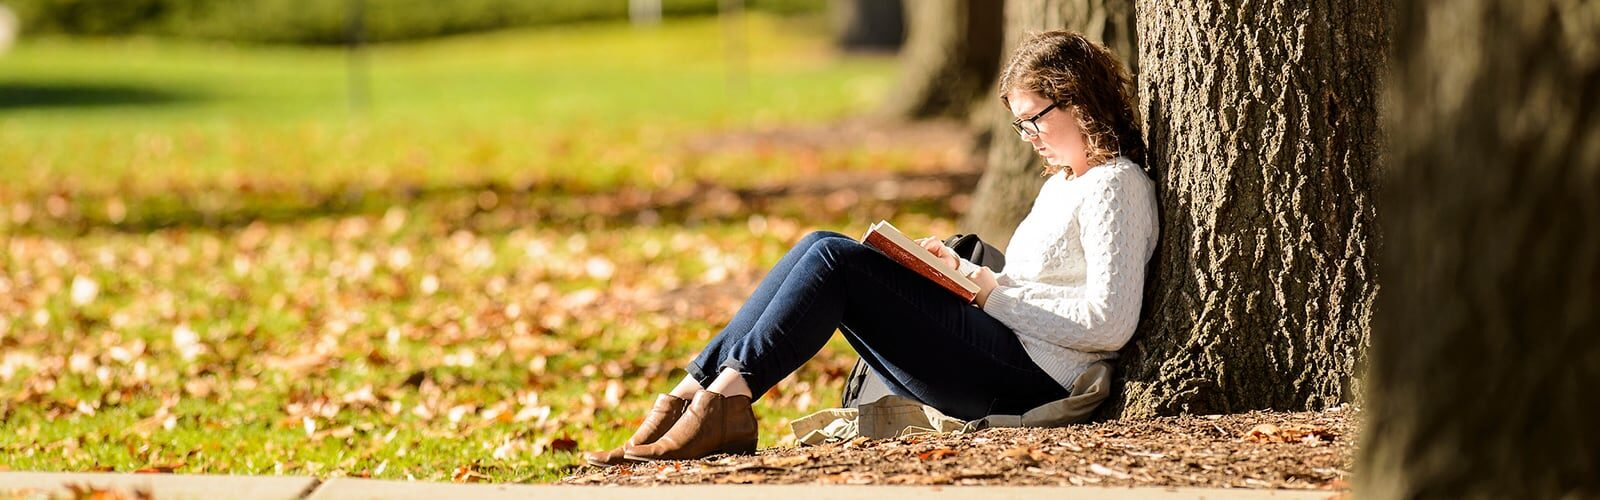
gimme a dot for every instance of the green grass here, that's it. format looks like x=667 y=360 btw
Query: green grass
x=249 y=316
x=291 y=320
x=589 y=103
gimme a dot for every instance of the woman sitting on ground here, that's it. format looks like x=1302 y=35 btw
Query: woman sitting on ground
x=1070 y=295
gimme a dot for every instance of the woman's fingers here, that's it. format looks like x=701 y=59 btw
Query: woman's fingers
x=937 y=248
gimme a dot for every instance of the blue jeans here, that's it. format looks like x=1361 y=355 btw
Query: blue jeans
x=924 y=341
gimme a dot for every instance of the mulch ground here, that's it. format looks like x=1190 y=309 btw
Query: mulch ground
x=1307 y=450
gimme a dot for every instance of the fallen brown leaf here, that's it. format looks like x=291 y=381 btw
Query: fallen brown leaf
x=160 y=468
x=1270 y=433
x=84 y=491
x=564 y=443
x=1263 y=433
x=936 y=454
x=1025 y=455
x=465 y=474
x=789 y=461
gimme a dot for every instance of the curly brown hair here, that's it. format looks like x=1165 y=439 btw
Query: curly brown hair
x=1086 y=77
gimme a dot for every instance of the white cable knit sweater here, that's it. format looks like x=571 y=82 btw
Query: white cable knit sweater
x=1074 y=274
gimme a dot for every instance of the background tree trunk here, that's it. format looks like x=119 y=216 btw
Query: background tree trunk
x=951 y=56
x=1261 y=123
x=1486 y=347
x=869 y=25
x=1011 y=177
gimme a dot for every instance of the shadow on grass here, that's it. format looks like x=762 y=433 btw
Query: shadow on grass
x=498 y=207
x=26 y=95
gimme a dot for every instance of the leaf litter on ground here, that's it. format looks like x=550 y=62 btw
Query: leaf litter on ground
x=1183 y=451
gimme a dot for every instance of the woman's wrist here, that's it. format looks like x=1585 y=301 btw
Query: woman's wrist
x=965 y=267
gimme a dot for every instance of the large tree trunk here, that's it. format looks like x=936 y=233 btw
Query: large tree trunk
x=1262 y=132
x=1011 y=176
x=950 y=59
x=1486 y=346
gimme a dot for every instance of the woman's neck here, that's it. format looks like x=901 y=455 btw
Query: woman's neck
x=1079 y=171
x=1079 y=166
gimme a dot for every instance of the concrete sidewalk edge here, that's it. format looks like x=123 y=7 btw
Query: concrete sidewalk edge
x=185 y=486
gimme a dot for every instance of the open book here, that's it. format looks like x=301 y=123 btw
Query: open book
x=884 y=237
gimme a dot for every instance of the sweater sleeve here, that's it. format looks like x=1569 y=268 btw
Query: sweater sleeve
x=1117 y=225
x=1004 y=279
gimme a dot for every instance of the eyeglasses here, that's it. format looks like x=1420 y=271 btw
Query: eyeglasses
x=1028 y=128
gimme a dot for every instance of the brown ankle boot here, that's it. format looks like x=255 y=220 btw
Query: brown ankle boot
x=656 y=423
x=713 y=424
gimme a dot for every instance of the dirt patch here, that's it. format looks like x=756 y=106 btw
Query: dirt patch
x=1306 y=450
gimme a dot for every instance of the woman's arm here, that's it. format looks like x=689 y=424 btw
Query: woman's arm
x=1118 y=227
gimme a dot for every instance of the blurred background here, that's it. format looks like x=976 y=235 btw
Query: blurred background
x=414 y=239
x=397 y=91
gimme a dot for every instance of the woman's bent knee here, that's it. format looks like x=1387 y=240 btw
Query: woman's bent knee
x=811 y=239
x=815 y=236
x=835 y=249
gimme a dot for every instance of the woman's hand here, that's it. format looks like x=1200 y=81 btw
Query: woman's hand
x=937 y=248
x=987 y=282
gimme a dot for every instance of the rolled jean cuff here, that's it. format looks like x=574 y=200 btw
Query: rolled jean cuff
x=699 y=374
x=736 y=365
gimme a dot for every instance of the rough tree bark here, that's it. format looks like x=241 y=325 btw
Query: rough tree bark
x=951 y=55
x=1261 y=123
x=1486 y=344
x=1011 y=177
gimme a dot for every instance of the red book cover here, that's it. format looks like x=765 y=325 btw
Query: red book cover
x=905 y=258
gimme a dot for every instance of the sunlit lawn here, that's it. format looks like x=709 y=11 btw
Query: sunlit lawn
x=596 y=105
x=466 y=333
